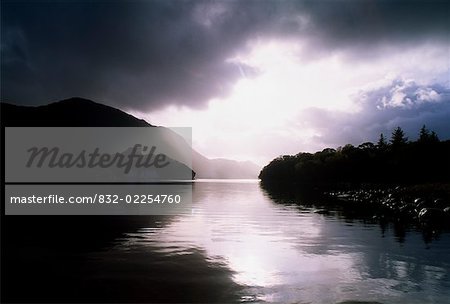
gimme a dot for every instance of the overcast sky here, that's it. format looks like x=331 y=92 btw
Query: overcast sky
x=255 y=79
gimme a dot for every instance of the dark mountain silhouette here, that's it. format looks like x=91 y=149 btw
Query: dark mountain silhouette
x=73 y=112
x=80 y=112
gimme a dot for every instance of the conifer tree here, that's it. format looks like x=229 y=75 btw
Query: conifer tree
x=398 y=137
x=424 y=135
x=381 y=144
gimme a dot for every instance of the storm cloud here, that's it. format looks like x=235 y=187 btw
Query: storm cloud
x=400 y=102
x=144 y=55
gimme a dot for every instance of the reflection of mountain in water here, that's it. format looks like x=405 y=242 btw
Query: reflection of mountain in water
x=77 y=259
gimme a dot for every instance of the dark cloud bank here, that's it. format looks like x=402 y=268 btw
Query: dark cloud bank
x=145 y=54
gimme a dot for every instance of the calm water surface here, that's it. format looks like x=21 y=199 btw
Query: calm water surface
x=237 y=244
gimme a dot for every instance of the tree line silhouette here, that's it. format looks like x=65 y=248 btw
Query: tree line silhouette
x=426 y=160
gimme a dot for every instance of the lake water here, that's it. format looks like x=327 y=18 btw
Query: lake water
x=237 y=244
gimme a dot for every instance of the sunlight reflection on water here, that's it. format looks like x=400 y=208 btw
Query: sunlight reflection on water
x=285 y=253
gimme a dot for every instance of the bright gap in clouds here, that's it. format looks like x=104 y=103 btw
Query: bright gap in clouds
x=261 y=118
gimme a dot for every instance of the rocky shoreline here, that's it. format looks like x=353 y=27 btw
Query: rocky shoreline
x=428 y=206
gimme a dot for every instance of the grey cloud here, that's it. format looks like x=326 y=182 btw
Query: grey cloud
x=143 y=55
x=139 y=55
x=364 y=25
x=403 y=94
x=419 y=105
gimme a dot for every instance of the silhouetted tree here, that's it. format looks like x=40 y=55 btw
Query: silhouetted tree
x=427 y=137
x=433 y=137
x=368 y=146
x=382 y=144
x=424 y=135
x=398 y=137
x=401 y=162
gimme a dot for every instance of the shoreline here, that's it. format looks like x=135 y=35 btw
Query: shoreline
x=426 y=206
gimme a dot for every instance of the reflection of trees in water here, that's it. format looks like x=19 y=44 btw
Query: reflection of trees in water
x=388 y=220
x=407 y=259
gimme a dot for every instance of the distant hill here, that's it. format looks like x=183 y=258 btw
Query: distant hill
x=79 y=112
x=224 y=168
